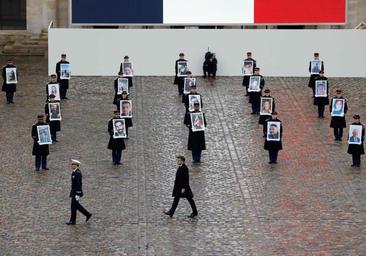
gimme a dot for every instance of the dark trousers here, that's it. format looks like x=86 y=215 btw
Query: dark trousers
x=196 y=155
x=63 y=91
x=175 y=204
x=338 y=133
x=180 y=88
x=255 y=107
x=273 y=155
x=75 y=205
x=116 y=155
x=53 y=135
x=356 y=159
x=321 y=108
x=41 y=161
x=9 y=96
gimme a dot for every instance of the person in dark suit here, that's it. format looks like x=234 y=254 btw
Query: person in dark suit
x=64 y=83
x=55 y=125
x=354 y=149
x=126 y=59
x=264 y=117
x=128 y=121
x=246 y=79
x=9 y=89
x=314 y=76
x=76 y=193
x=182 y=189
x=185 y=98
x=321 y=102
x=210 y=65
x=255 y=97
x=179 y=80
x=273 y=146
x=338 y=122
x=116 y=145
x=39 y=151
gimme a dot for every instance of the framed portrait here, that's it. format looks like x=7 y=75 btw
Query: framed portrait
x=44 y=135
x=254 y=84
x=337 y=107
x=11 y=75
x=119 y=129
x=266 y=106
x=122 y=85
x=273 y=131
x=321 y=88
x=54 y=110
x=248 y=67
x=127 y=69
x=315 y=66
x=55 y=90
x=192 y=99
x=188 y=82
x=65 y=72
x=182 y=68
x=197 y=121
x=355 y=134
x=125 y=107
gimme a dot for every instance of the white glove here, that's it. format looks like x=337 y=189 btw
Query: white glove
x=77 y=198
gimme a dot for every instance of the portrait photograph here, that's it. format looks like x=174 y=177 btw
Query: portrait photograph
x=266 y=106
x=44 y=135
x=355 y=134
x=188 y=82
x=248 y=68
x=273 y=131
x=119 y=129
x=193 y=99
x=254 y=84
x=315 y=66
x=54 y=111
x=182 y=68
x=122 y=85
x=127 y=69
x=125 y=108
x=337 y=107
x=321 y=88
x=197 y=121
x=65 y=72
x=11 y=75
x=55 y=90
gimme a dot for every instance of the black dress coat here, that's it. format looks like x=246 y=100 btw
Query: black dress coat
x=178 y=80
x=76 y=184
x=38 y=150
x=130 y=80
x=338 y=121
x=255 y=97
x=182 y=181
x=128 y=121
x=246 y=79
x=114 y=144
x=318 y=101
x=8 y=87
x=55 y=126
x=263 y=118
x=273 y=145
x=357 y=149
x=185 y=100
x=196 y=140
x=64 y=83
x=115 y=92
x=314 y=76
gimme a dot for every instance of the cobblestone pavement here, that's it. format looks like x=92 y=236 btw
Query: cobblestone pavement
x=311 y=203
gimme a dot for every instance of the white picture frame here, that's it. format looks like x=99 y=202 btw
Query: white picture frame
x=321 y=88
x=182 y=68
x=338 y=107
x=125 y=107
x=355 y=134
x=122 y=85
x=119 y=128
x=188 y=82
x=54 y=111
x=11 y=75
x=193 y=98
x=44 y=135
x=55 y=90
x=197 y=121
x=273 y=131
x=127 y=69
x=315 y=67
x=266 y=107
x=248 y=68
x=65 y=72
x=254 y=84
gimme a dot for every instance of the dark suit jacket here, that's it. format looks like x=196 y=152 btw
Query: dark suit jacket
x=182 y=181
x=76 y=184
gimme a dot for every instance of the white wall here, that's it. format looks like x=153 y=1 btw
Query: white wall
x=154 y=51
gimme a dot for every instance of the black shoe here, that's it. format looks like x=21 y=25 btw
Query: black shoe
x=118 y=163
x=70 y=223
x=55 y=140
x=353 y=165
x=66 y=98
x=37 y=170
x=8 y=102
x=358 y=165
x=270 y=162
x=46 y=169
x=11 y=102
x=193 y=215
x=168 y=213
x=88 y=217
x=253 y=113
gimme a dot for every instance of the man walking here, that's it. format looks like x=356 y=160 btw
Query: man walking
x=76 y=193
x=182 y=189
x=64 y=83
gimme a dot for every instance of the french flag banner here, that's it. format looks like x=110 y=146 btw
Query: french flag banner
x=208 y=12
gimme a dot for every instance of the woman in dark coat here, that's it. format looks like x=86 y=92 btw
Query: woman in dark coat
x=128 y=121
x=39 y=151
x=130 y=80
x=338 y=122
x=263 y=118
x=55 y=126
x=354 y=149
x=322 y=101
x=255 y=97
x=273 y=146
x=116 y=145
x=9 y=89
x=314 y=76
